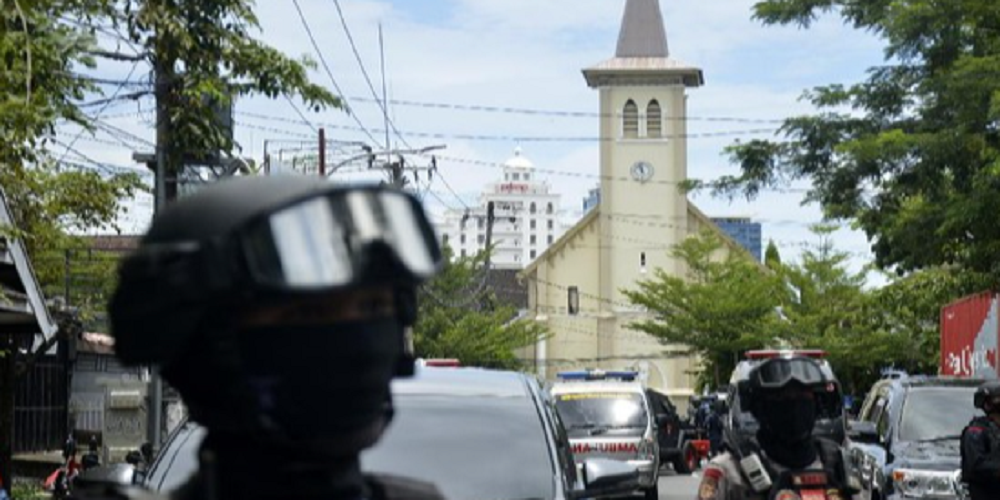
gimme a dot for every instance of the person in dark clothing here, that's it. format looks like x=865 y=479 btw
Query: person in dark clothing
x=786 y=460
x=280 y=309
x=714 y=428
x=981 y=445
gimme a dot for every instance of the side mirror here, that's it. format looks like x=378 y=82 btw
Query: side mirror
x=862 y=432
x=602 y=477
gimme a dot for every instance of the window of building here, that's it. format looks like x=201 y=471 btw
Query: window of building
x=534 y=239
x=550 y=239
x=533 y=208
x=444 y=238
x=532 y=223
x=527 y=177
x=462 y=239
x=549 y=209
x=630 y=120
x=551 y=224
x=573 y=300
x=517 y=177
x=654 y=120
x=533 y=253
x=481 y=222
x=463 y=253
x=482 y=239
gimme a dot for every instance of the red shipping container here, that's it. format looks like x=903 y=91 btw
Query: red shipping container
x=969 y=331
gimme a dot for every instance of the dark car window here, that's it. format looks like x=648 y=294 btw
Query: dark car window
x=936 y=412
x=615 y=410
x=470 y=447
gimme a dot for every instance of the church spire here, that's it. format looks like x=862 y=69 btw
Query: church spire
x=642 y=33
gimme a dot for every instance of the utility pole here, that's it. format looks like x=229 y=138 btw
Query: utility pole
x=163 y=80
x=322 y=152
x=486 y=303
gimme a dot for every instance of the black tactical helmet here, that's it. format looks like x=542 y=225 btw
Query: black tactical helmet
x=773 y=375
x=985 y=393
x=246 y=244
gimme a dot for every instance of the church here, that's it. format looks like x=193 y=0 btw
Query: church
x=575 y=286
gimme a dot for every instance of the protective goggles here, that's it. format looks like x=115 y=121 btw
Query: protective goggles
x=334 y=239
x=779 y=372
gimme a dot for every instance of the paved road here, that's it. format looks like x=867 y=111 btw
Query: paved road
x=678 y=487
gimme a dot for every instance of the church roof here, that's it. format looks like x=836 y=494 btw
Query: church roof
x=642 y=33
x=594 y=215
x=642 y=56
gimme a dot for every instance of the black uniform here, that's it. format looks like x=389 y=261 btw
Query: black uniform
x=279 y=308
x=981 y=458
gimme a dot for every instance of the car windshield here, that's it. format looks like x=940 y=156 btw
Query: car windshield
x=931 y=413
x=586 y=412
x=470 y=447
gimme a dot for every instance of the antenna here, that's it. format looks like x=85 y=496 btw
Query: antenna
x=385 y=102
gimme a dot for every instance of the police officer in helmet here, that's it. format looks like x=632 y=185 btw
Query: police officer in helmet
x=981 y=445
x=279 y=307
x=786 y=461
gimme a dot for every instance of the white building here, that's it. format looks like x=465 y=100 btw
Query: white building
x=526 y=218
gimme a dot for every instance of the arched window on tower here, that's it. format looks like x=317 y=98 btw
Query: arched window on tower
x=654 y=120
x=548 y=209
x=630 y=120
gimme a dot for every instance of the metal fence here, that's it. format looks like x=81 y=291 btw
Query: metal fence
x=41 y=418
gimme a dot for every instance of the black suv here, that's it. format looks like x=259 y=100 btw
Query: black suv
x=905 y=443
x=674 y=434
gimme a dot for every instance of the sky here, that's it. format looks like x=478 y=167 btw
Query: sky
x=444 y=56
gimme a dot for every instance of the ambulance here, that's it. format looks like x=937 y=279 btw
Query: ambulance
x=606 y=415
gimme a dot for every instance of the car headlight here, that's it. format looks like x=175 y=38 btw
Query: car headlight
x=924 y=483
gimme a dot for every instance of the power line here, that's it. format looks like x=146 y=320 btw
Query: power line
x=505 y=138
x=329 y=73
x=571 y=114
x=301 y=115
x=97 y=115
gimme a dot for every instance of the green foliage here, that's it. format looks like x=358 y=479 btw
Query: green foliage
x=459 y=318
x=725 y=307
x=207 y=55
x=27 y=490
x=917 y=162
x=722 y=308
x=772 y=258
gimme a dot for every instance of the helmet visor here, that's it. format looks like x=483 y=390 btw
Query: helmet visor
x=779 y=372
x=330 y=241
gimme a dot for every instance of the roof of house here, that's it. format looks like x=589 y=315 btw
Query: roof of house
x=22 y=304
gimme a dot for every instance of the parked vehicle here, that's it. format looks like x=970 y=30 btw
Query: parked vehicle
x=607 y=415
x=740 y=424
x=906 y=442
x=969 y=331
x=490 y=434
x=681 y=444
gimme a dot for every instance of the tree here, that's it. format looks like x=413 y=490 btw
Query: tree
x=772 y=258
x=204 y=55
x=915 y=162
x=459 y=318
x=723 y=307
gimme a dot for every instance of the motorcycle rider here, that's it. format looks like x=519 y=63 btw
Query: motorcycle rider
x=278 y=307
x=981 y=445
x=786 y=461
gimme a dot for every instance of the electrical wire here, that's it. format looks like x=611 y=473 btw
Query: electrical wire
x=329 y=73
x=97 y=115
